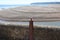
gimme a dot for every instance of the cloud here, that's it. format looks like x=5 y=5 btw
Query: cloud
x=14 y=2
x=23 y=1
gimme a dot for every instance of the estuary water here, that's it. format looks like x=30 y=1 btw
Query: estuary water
x=35 y=23
x=40 y=23
x=17 y=5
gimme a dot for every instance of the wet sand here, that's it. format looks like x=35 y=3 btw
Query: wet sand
x=37 y=13
x=48 y=13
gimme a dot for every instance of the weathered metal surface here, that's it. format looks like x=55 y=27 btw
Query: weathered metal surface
x=31 y=30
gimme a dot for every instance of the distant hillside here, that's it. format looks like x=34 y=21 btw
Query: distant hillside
x=46 y=3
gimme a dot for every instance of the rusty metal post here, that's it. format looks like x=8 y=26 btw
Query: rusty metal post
x=31 y=30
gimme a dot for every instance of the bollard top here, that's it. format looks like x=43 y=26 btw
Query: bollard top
x=30 y=19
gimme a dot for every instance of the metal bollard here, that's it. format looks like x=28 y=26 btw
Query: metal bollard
x=31 y=29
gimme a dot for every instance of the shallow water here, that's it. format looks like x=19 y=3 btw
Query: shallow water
x=35 y=23
x=12 y=6
x=57 y=23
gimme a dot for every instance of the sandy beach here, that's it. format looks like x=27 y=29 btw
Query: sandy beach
x=50 y=13
x=38 y=13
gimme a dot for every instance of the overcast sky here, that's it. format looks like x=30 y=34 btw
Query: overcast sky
x=24 y=1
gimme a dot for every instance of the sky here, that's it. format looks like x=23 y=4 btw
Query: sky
x=24 y=1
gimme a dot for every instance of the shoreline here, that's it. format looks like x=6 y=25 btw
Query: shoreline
x=38 y=26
